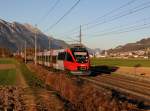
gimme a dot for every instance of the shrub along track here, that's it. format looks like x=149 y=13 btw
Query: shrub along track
x=81 y=93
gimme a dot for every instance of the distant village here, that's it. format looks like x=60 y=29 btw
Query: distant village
x=143 y=54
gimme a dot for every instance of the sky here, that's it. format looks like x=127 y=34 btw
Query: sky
x=117 y=21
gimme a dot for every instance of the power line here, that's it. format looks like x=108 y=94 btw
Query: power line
x=132 y=25
x=59 y=20
x=111 y=12
x=120 y=15
x=49 y=11
x=125 y=30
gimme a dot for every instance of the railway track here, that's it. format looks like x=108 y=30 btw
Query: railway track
x=125 y=86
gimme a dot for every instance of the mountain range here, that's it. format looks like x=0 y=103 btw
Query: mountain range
x=13 y=36
x=139 y=45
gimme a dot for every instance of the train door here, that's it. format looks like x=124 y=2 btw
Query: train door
x=54 y=59
x=69 y=62
x=60 y=60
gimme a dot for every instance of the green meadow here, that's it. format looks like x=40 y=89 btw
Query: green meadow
x=120 y=62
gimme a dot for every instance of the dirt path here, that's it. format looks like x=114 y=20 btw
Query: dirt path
x=28 y=93
x=20 y=79
x=29 y=98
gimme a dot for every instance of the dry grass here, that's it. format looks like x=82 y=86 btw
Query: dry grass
x=83 y=95
x=131 y=70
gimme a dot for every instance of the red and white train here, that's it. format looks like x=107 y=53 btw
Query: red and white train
x=75 y=59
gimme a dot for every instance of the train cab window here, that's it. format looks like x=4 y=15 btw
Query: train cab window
x=69 y=57
x=61 y=56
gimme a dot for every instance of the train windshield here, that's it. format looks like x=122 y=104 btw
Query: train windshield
x=80 y=55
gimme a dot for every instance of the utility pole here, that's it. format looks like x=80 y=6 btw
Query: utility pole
x=25 y=53
x=80 y=36
x=50 y=49
x=49 y=41
x=35 y=43
x=39 y=48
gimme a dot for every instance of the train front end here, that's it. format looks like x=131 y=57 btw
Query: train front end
x=81 y=58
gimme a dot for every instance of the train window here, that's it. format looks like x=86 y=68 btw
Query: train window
x=54 y=59
x=40 y=58
x=61 y=56
x=46 y=58
x=49 y=58
x=43 y=58
x=69 y=57
x=37 y=57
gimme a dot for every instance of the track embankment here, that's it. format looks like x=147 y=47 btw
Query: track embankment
x=81 y=93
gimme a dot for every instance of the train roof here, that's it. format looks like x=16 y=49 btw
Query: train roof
x=76 y=46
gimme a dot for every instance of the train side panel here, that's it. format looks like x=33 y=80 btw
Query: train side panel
x=66 y=59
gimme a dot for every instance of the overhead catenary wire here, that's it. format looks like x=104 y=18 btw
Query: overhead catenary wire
x=61 y=18
x=118 y=27
x=49 y=11
x=111 y=12
x=120 y=15
x=129 y=29
x=108 y=13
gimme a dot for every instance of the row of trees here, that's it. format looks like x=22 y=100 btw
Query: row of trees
x=5 y=52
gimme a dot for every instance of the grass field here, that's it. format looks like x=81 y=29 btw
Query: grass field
x=7 y=77
x=120 y=62
x=7 y=61
x=30 y=77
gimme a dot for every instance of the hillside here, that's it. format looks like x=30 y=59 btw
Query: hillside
x=13 y=37
x=139 y=45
